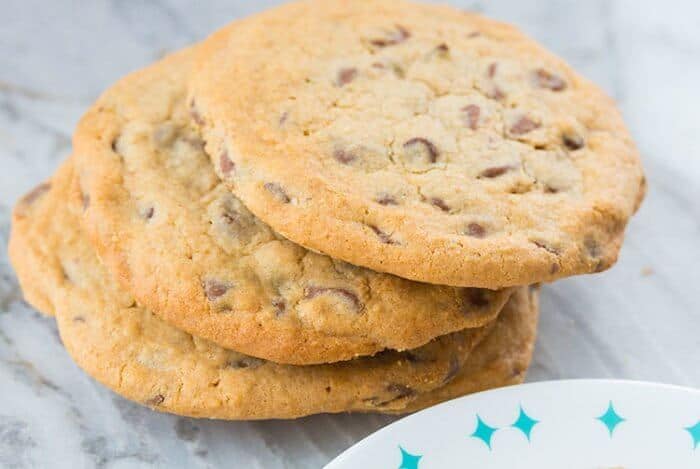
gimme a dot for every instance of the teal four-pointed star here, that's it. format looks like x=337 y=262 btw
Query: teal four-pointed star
x=408 y=460
x=483 y=431
x=695 y=434
x=611 y=419
x=525 y=423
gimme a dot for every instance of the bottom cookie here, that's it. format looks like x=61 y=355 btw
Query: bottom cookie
x=137 y=355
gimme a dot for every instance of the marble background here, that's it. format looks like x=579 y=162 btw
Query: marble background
x=640 y=320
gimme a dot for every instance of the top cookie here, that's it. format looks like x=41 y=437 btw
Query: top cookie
x=188 y=250
x=419 y=140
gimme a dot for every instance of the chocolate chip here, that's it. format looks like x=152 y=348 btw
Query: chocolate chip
x=395 y=37
x=491 y=71
x=547 y=247
x=495 y=171
x=439 y=203
x=554 y=268
x=345 y=76
x=442 y=50
x=194 y=113
x=227 y=166
x=471 y=115
x=277 y=191
x=155 y=400
x=115 y=144
x=283 y=118
x=85 y=198
x=215 y=289
x=475 y=230
x=35 y=193
x=474 y=298
x=548 y=80
x=524 y=125
x=573 y=141
x=423 y=145
x=474 y=34
x=397 y=391
x=78 y=319
x=279 y=305
x=383 y=237
x=147 y=213
x=386 y=199
x=592 y=247
x=245 y=363
x=343 y=156
x=312 y=292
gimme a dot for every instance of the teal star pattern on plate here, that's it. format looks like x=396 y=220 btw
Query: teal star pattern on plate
x=408 y=460
x=483 y=431
x=525 y=423
x=611 y=419
x=695 y=434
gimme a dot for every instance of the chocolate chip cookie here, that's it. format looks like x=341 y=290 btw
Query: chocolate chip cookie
x=135 y=353
x=188 y=250
x=419 y=140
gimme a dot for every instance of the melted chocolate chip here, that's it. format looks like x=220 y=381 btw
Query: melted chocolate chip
x=343 y=156
x=573 y=142
x=471 y=115
x=227 y=166
x=383 y=237
x=215 y=289
x=277 y=191
x=85 y=198
x=428 y=147
x=395 y=37
x=312 y=292
x=548 y=80
x=345 y=76
x=386 y=199
x=524 y=125
x=158 y=399
x=35 y=193
x=495 y=171
x=475 y=230
x=439 y=203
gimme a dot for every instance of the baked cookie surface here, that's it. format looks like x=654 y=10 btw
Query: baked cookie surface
x=419 y=140
x=187 y=249
x=143 y=358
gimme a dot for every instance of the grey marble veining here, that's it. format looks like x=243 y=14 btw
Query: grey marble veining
x=640 y=320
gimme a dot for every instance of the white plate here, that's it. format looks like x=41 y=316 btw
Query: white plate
x=590 y=424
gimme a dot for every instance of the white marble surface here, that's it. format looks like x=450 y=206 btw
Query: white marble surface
x=640 y=320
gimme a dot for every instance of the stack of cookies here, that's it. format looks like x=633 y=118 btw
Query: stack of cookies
x=331 y=206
